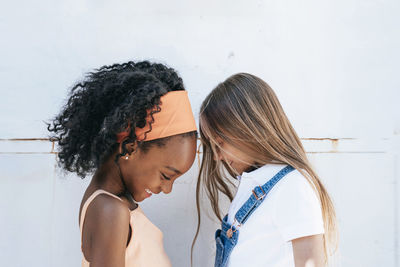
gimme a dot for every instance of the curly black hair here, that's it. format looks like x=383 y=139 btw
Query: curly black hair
x=106 y=102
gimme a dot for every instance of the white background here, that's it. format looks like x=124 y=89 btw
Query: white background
x=333 y=64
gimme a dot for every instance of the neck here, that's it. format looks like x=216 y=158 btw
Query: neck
x=108 y=178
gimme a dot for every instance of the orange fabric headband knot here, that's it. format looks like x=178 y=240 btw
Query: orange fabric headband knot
x=175 y=117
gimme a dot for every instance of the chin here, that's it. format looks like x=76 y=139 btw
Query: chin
x=138 y=199
x=238 y=169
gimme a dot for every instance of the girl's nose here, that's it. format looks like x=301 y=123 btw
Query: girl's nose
x=167 y=187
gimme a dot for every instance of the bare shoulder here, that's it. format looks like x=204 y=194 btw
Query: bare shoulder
x=106 y=229
x=107 y=211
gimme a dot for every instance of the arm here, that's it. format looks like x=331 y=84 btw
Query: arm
x=109 y=228
x=308 y=251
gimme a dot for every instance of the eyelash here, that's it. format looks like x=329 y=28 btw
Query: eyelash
x=165 y=177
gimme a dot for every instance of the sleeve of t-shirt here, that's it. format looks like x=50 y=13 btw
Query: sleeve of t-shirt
x=297 y=209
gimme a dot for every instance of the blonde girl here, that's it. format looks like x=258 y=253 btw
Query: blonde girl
x=280 y=214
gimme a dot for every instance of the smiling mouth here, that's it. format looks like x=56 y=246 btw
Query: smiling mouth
x=148 y=191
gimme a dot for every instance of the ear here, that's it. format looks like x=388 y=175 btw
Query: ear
x=129 y=147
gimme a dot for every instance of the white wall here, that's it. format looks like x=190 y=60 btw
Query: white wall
x=333 y=64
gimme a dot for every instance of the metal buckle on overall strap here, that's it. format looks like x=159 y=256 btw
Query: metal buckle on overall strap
x=230 y=231
x=256 y=196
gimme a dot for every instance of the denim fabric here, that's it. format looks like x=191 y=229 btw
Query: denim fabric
x=226 y=242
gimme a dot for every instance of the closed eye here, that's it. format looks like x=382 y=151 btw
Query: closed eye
x=165 y=177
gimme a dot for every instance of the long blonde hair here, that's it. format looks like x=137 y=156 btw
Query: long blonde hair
x=244 y=111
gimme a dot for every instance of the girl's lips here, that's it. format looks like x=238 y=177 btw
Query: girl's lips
x=148 y=193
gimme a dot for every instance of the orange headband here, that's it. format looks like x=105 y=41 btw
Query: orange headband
x=175 y=117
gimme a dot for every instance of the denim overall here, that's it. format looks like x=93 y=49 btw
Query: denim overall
x=226 y=238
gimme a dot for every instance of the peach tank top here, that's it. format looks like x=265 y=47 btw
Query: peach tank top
x=145 y=249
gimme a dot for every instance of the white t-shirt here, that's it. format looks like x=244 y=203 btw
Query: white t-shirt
x=290 y=210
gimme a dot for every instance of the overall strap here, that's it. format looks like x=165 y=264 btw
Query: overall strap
x=258 y=196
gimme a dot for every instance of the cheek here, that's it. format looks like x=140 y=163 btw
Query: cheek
x=148 y=178
x=232 y=154
x=240 y=155
x=142 y=175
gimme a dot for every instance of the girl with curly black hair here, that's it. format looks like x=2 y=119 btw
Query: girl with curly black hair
x=130 y=126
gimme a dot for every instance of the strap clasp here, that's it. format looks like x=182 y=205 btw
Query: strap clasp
x=259 y=197
x=230 y=231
